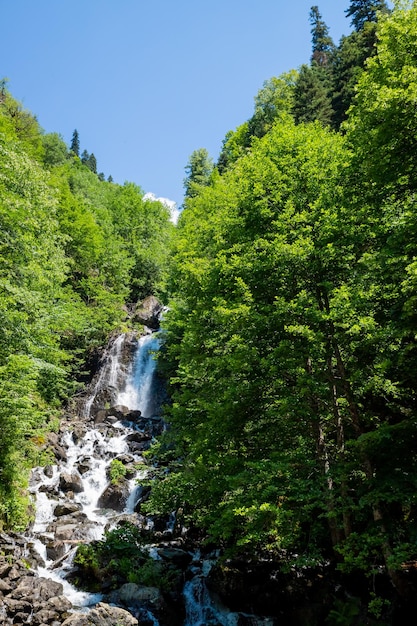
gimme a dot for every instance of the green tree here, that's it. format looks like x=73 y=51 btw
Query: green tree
x=363 y=11
x=75 y=143
x=55 y=150
x=322 y=43
x=272 y=102
x=92 y=163
x=349 y=62
x=198 y=170
x=312 y=96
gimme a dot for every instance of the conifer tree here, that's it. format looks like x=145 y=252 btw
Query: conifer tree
x=312 y=96
x=84 y=157
x=323 y=45
x=92 y=163
x=75 y=143
x=362 y=11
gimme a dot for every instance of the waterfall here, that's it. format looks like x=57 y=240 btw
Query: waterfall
x=137 y=392
x=68 y=496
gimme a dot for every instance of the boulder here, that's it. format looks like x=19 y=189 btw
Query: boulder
x=138 y=437
x=37 y=589
x=17 y=606
x=133 y=417
x=102 y=615
x=66 y=508
x=176 y=556
x=134 y=595
x=65 y=532
x=136 y=447
x=5 y=588
x=55 y=550
x=148 y=312
x=114 y=496
x=71 y=482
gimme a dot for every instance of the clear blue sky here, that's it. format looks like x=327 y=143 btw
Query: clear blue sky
x=147 y=82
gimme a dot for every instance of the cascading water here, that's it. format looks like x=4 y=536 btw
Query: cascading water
x=68 y=495
x=137 y=392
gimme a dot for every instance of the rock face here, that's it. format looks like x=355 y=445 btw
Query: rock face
x=148 y=312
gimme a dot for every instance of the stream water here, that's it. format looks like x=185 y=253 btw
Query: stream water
x=72 y=498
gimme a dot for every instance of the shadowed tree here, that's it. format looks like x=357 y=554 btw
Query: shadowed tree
x=75 y=143
x=362 y=11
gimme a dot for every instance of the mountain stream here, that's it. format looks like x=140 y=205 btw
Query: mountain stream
x=74 y=499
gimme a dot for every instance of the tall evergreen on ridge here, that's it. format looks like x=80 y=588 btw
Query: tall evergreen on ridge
x=363 y=11
x=75 y=143
x=312 y=95
x=323 y=46
x=352 y=53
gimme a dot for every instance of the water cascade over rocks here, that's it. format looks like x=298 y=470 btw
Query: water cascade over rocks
x=76 y=502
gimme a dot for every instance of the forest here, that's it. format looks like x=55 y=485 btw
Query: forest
x=76 y=250
x=289 y=348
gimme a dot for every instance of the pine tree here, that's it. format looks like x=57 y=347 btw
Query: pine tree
x=323 y=45
x=312 y=96
x=75 y=143
x=84 y=157
x=92 y=163
x=362 y=11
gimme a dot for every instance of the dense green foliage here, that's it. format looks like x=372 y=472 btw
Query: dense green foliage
x=122 y=557
x=290 y=343
x=73 y=251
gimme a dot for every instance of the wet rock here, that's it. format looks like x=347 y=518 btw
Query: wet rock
x=66 y=508
x=132 y=595
x=133 y=417
x=179 y=558
x=73 y=530
x=65 y=532
x=126 y=459
x=139 y=446
x=111 y=419
x=71 y=482
x=138 y=437
x=48 y=470
x=144 y=495
x=84 y=464
x=102 y=615
x=55 y=550
x=79 y=430
x=115 y=496
x=119 y=411
x=152 y=426
x=38 y=589
x=60 y=453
